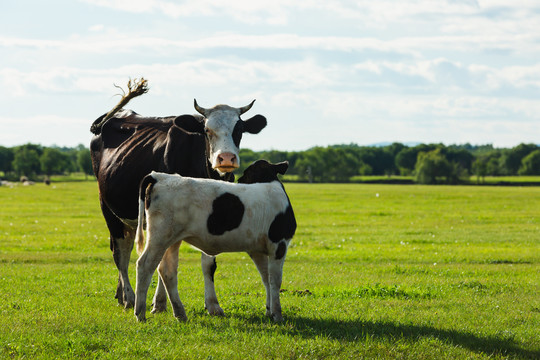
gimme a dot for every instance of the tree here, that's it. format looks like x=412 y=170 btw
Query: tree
x=513 y=157
x=26 y=160
x=380 y=160
x=406 y=160
x=487 y=164
x=530 y=165
x=310 y=164
x=84 y=161
x=6 y=159
x=461 y=157
x=53 y=161
x=479 y=168
x=431 y=166
x=340 y=165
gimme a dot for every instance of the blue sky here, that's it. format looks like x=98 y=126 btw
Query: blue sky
x=323 y=72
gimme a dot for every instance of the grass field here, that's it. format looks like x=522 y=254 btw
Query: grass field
x=374 y=271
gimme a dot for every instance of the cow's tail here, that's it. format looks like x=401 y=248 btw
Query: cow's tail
x=145 y=192
x=135 y=87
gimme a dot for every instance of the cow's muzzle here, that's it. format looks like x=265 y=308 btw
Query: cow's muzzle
x=226 y=162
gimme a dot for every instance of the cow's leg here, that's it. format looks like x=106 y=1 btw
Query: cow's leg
x=261 y=261
x=275 y=269
x=121 y=253
x=146 y=265
x=209 y=267
x=121 y=246
x=168 y=272
x=160 y=298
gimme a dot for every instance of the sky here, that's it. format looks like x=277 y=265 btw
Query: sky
x=322 y=72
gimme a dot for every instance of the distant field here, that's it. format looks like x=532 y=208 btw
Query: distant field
x=472 y=180
x=374 y=271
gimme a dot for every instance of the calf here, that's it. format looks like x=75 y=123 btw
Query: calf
x=254 y=216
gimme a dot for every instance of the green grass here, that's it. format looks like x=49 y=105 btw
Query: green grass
x=374 y=271
x=505 y=179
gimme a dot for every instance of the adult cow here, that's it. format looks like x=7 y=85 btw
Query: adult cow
x=127 y=147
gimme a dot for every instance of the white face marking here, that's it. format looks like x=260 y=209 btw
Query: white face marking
x=220 y=125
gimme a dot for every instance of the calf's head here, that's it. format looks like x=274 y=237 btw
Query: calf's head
x=223 y=129
x=261 y=171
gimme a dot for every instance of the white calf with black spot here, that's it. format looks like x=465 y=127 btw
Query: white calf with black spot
x=253 y=216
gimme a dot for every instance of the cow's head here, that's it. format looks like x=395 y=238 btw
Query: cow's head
x=223 y=129
x=261 y=171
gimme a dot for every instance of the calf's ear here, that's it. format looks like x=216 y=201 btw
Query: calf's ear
x=189 y=124
x=281 y=168
x=255 y=124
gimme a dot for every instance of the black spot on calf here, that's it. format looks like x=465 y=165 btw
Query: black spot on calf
x=227 y=213
x=213 y=269
x=283 y=226
x=280 y=251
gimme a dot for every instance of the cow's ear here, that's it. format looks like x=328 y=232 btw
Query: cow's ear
x=255 y=124
x=281 y=168
x=190 y=124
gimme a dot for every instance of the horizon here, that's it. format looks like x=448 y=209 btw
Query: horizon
x=450 y=72
x=374 y=145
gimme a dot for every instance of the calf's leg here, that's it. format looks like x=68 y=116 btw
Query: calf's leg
x=160 y=298
x=261 y=261
x=146 y=265
x=275 y=270
x=211 y=303
x=168 y=272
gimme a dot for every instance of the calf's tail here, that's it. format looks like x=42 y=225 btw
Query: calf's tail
x=139 y=236
x=145 y=192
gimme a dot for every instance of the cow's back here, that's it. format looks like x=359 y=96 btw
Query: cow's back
x=128 y=148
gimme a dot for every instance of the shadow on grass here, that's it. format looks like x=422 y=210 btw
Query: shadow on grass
x=356 y=330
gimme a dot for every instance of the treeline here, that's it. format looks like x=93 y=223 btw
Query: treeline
x=426 y=164
x=34 y=161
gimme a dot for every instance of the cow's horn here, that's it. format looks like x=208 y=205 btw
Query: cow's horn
x=246 y=108
x=199 y=109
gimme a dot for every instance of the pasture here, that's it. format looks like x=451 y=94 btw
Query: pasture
x=374 y=271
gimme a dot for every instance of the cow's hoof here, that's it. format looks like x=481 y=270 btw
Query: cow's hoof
x=215 y=310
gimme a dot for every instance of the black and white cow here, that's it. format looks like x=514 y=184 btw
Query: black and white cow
x=253 y=216
x=129 y=146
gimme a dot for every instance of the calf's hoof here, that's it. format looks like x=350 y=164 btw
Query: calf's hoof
x=128 y=299
x=141 y=318
x=140 y=314
x=181 y=318
x=159 y=307
x=277 y=318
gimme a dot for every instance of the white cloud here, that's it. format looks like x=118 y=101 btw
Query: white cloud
x=245 y=11
x=96 y=28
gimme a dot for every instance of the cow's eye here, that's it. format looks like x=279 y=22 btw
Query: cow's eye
x=208 y=132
